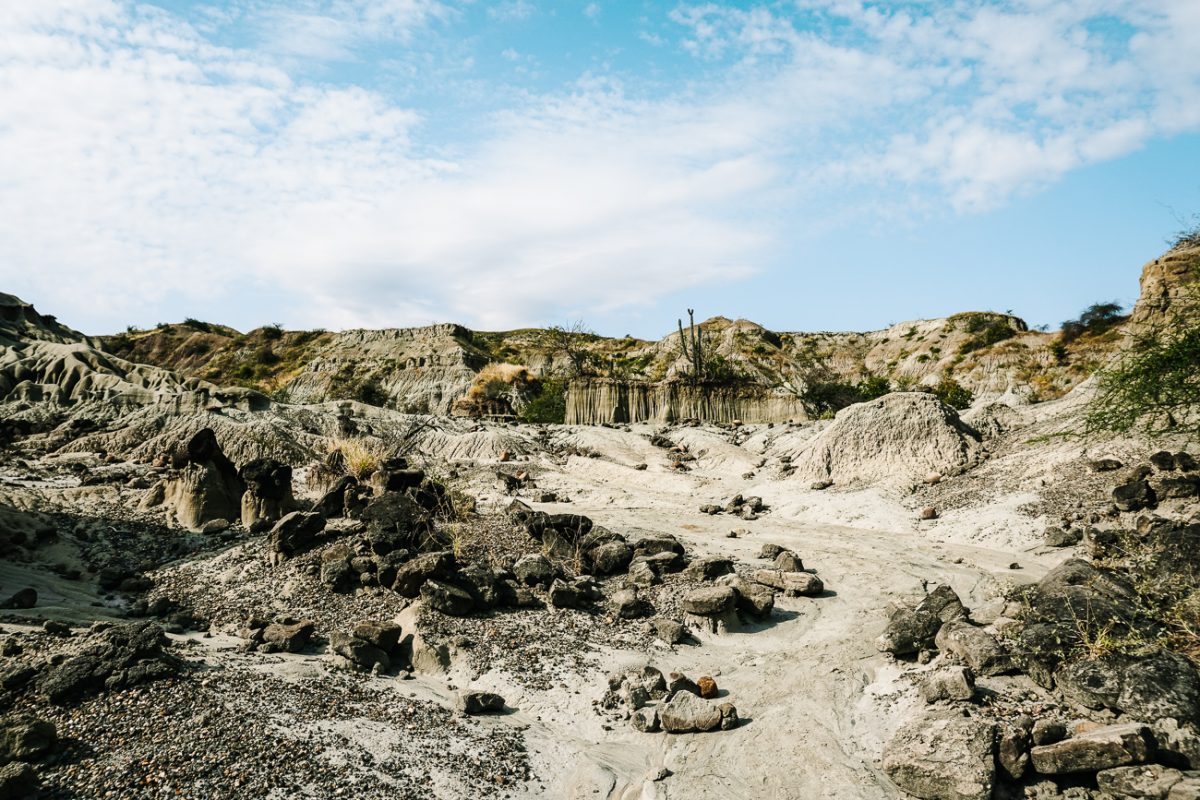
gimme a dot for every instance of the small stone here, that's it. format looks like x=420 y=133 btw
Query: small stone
x=473 y=702
x=929 y=512
x=707 y=686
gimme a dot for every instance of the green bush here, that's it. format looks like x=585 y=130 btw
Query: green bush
x=1095 y=319
x=953 y=393
x=986 y=329
x=549 y=404
x=1154 y=386
x=272 y=332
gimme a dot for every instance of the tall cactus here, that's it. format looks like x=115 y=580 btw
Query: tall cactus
x=691 y=344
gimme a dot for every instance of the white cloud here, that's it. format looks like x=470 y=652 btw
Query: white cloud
x=512 y=10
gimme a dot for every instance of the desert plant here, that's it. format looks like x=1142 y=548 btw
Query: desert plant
x=1095 y=319
x=1153 y=387
x=953 y=393
x=571 y=342
x=272 y=332
x=356 y=455
x=549 y=404
x=691 y=345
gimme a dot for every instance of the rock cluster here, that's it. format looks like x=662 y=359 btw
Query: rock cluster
x=673 y=703
x=748 y=508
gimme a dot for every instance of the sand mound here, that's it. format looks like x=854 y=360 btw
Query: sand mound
x=896 y=439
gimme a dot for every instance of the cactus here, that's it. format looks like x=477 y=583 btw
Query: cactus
x=691 y=344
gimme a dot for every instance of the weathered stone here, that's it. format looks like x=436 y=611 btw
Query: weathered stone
x=641 y=574
x=688 y=713
x=1062 y=537
x=754 y=599
x=1049 y=731
x=1012 y=751
x=707 y=686
x=656 y=545
x=943 y=758
x=384 y=635
x=1141 y=782
x=1134 y=496
x=707 y=569
x=533 y=569
x=908 y=632
x=123 y=656
x=268 y=494
x=678 y=682
x=628 y=605
x=362 y=654
x=770 y=551
x=1162 y=461
x=18 y=780
x=943 y=603
x=289 y=638
x=792 y=584
x=979 y=649
x=611 y=558
x=293 y=534
x=474 y=701
x=411 y=576
x=710 y=601
x=565 y=595
x=447 y=598
x=645 y=719
x=23 y=598
x=1159 y=686
x=669 y=630
x=949 y=683
x=24 y=738
x=1104 y=748
x=787 y=561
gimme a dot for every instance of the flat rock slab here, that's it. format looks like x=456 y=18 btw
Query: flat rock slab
x=943 y=758
x=1103 y=748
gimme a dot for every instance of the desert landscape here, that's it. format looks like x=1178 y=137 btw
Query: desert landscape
x=730 y=563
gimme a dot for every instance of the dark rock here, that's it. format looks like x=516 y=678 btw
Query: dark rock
x=333 y=503
x=474 y=702
x=645 y=720
x=1176 y=488
x=294 y=534
x=480 y=582
x=18 y=780
x=268 y=493
x=770 y=551
x=401 y=520
x=707 y=569
x=290 y=638
x=1103 y=748
x=1105 y=465
x=360 y=653
x=908 y=632
x=678 y=682
x=1134 y=496
x=565 y=595
x=977 y=648
x=657 y=545
x=533 y=570
x=1060 y=537
x=628 y=605
x=447 y=598
x=123 y=656
x=1012 y=751
x=792 y=584
x=25 y=738
x=25 y=598
x=943 y=757
x=754 y=599
x=611 y=558
x=1049 y=731
x=1163 y=461
x=411 y=576
x=669 y=630
x=1162 y=685
x=787 y=561
x=1185 y=462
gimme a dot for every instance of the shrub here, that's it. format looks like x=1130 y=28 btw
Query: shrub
x=1154 y=386
x=272 y=332
x=549 y=404
x=1095 y=319
x=873 y=386
x=986 y=329
x=356 y=456
x=192 y=322
x=953 y=393
x=497 y=380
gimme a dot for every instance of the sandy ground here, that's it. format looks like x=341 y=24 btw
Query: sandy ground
x=817 y=701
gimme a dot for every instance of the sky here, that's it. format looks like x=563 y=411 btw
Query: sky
x=808 y=164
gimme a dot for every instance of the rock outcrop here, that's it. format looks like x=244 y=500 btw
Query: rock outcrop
x=594 y=401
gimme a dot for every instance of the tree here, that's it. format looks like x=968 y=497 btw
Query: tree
x=1153 y=387
x=571 y=342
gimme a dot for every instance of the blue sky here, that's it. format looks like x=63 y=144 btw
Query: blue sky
x=811 y=165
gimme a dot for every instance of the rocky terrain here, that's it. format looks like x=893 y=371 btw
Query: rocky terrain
x=290 y=588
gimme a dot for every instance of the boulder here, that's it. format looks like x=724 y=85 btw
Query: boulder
x=399 y=519
x=710 y=601
x=908 y=632
x=18 y=780
x=669 y=630
x=122 y=656
x=943 y=758
x=361 y=654
x=1162 y=461
x=641 y=574
x=792 y=584
x=1062 y=537
x=566 y=595
x=290 y=638
x=610 y=558
x=1134 y=496
x=770 y=551
x=707 y=569
x=268 y=494
x=656 y=545
x=1012 y=748
x=384 y=635
x=943 y=603
x=293 y=534
x=1102 y=748
x=1143 y=782
x=628 y=605
x=25 y=738
x=22 y=599
x=645 y=719
x=754 y=599
x=206 y=486
x=977 y=648
x=688 y=713
x=1158 y=686
x=787 y=561
x=447 y=598
x=333 y=503
x=411 y=576
x=474 y=702
x=949 y=683
x=1049 y=731
x=678 y=682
